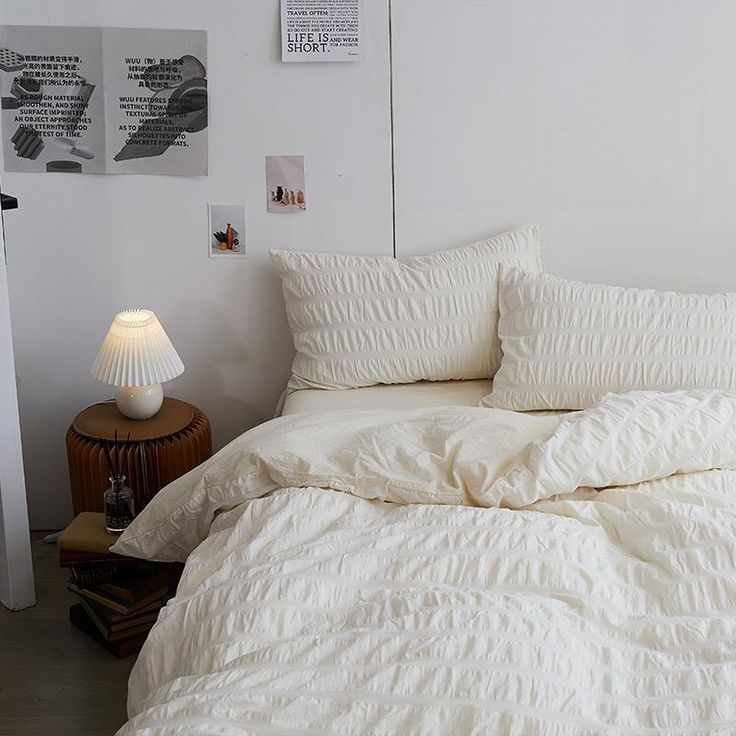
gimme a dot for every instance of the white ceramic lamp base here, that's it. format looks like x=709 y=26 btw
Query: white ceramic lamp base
x=139 y=402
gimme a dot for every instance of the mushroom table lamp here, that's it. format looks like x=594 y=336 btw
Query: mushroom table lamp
x=137 y=357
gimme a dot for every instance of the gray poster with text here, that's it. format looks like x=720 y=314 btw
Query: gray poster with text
x=104 y=101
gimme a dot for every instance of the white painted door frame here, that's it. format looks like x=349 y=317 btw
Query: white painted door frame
x=16 y=569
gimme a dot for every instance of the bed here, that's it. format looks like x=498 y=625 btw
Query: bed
x=436 y=559
x=403 y=571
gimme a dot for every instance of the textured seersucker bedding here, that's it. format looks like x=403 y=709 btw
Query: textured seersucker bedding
x=451 y=571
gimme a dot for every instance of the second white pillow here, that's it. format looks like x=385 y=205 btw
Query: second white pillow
x=567 y=343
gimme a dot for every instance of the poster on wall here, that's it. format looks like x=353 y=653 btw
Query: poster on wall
x=227 y=230
x=104 y=101
x=320 y=30
x=285 y=184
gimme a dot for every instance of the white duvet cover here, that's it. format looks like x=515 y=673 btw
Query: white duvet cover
x=451 y=571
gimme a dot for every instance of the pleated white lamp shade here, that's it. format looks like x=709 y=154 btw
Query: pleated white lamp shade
x=136 y=352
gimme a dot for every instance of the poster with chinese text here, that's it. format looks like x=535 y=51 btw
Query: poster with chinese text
x=113 y=101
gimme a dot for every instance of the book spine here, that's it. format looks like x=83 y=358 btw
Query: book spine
x=74 y=558
x=88 y=575
x=79 y=618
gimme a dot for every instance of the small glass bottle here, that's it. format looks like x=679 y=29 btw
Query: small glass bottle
x=119 y=505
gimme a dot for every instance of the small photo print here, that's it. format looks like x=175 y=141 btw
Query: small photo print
x=285 y=184
x=227 y=230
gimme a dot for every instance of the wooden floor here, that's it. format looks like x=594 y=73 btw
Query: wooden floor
x=54 y=680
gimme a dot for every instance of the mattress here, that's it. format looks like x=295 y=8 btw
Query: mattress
x=419 y=395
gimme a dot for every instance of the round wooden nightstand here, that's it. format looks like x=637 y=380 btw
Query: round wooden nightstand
x=161 y=449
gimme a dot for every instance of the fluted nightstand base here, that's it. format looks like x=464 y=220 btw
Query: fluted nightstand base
x=162 y=448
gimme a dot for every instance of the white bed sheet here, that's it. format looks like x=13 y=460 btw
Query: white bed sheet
x=419 y=395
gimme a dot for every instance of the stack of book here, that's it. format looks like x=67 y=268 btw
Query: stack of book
x=119 y=597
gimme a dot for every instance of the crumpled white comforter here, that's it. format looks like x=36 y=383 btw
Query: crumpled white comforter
x=451 y=571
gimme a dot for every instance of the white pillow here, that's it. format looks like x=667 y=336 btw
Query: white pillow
x=567 y=343
x=360 y=321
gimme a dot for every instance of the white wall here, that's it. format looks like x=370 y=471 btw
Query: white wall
x=83 y=247
x=608 y=122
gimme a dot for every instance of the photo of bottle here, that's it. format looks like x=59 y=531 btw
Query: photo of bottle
x=285 y=184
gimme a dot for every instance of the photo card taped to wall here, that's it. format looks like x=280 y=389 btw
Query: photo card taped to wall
x=285 y=187
x=227 y=230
